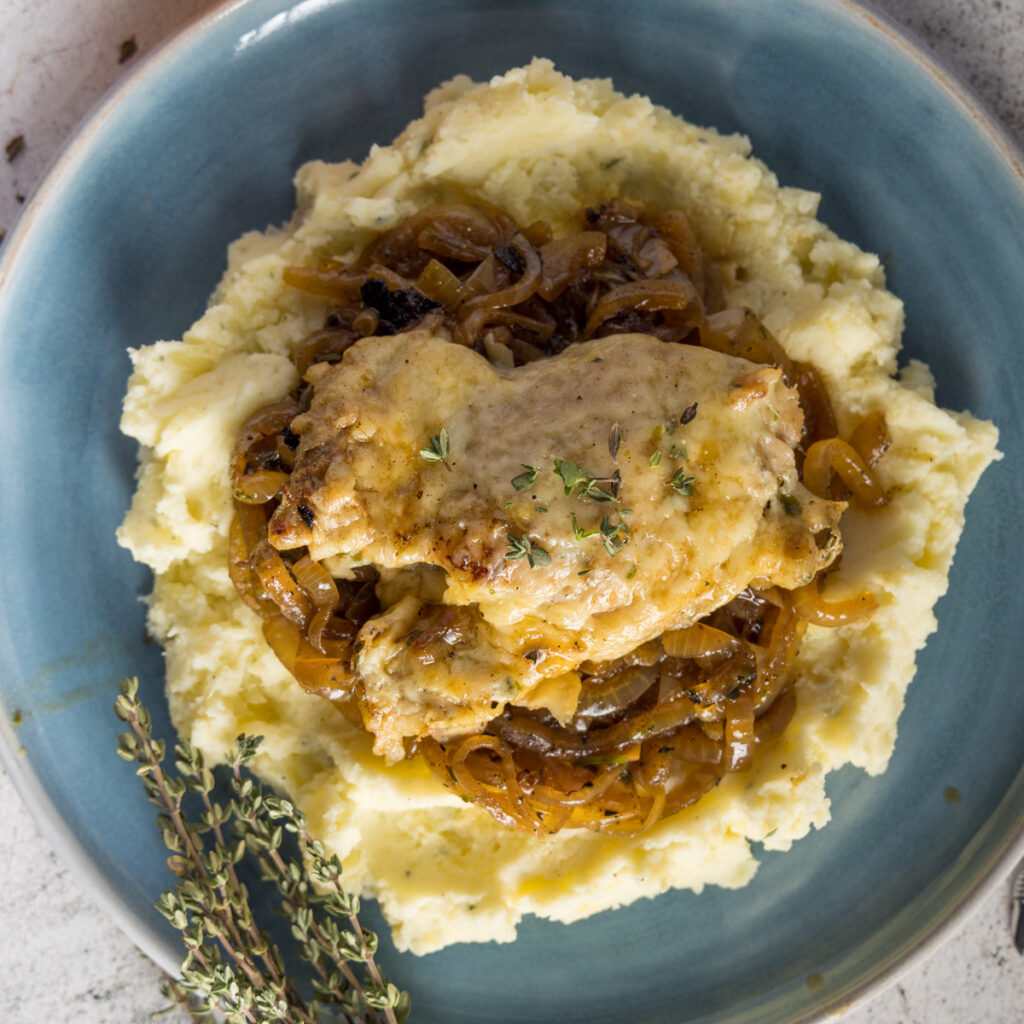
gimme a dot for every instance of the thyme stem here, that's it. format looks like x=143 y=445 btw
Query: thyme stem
x=231 y=970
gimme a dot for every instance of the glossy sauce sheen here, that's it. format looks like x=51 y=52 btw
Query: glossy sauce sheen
x=737 y=514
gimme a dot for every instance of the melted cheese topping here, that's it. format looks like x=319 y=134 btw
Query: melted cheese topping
x=670 y=520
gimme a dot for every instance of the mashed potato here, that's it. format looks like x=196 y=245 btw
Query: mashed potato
x=542 y=146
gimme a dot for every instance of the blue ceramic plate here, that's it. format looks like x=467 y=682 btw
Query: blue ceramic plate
x=127 y=239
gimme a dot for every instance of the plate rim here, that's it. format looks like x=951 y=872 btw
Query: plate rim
x=145 y=934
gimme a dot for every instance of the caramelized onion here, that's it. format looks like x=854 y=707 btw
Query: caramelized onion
x=565 y=259
x=475 y=312
x=698 y=641
x=439 y=283
x=645 y=296
x=674 y=228
x=279 y=584
x=739 y=733
x=617 y=693
x=239 y=568
x=739 y=332
x=809 y=604
x=834 y=455
x=694 y=745
x=331 y=280
x=653 y=730
x=819 y=419
x=255 y=445
x=871 y=439
x=261 y=486
x=582 y=795
x=322 y=346
x=464 y=232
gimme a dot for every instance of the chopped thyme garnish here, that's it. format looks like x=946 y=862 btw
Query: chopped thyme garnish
x=678 y=451
x=613 y=535
x=584 y=572
x=540 y=508
x=578 y=532
x=583 y=484
x=790 y=505
x=632 y=571
x=525 y=480
x=524 y=547
x=439 y=448
x=682 y=483
x=655 y=459
x=570 y=473
x=614 y=439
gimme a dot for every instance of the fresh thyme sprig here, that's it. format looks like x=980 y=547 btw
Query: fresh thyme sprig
x=230 y=963
x=613 y=535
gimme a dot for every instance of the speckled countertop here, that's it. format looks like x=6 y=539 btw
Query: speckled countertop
x=61 y=959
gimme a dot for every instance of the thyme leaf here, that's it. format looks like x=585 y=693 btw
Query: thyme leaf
x=614 y=439
x=525 y=480
x=438 y=449
x=571 y=474
x=790 y=505
x=579 y=482
x=524 y=547
x=578 y=532
x=613 y=535
x=682 y=483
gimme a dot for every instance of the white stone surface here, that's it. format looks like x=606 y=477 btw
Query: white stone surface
x=61 y=959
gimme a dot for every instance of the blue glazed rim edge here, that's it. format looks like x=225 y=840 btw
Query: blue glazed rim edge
x=148 y=938
x=995 y=870
x=986 y=877
x=947 y=78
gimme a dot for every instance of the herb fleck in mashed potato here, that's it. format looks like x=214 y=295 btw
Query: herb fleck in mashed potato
x=542 y=146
